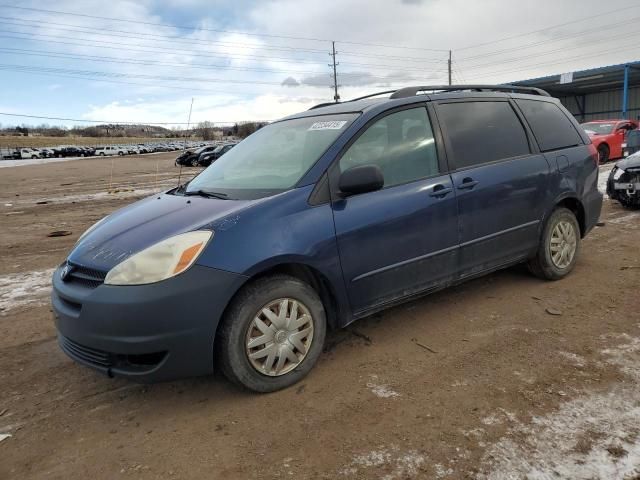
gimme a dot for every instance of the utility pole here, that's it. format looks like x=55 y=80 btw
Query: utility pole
x=333 y=64
x=449 y=67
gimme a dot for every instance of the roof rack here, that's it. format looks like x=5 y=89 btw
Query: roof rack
x=412 y=91
x=320 y=105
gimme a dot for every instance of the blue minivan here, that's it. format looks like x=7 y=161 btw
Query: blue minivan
x=322 y=218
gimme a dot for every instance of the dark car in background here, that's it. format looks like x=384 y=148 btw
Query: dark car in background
x=207 y=158
x=69 y=152
x=191 y=158
x=322 y=218
x=623 y=184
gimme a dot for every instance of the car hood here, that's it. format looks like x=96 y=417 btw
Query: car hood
x=147 y=222
x=630 y=162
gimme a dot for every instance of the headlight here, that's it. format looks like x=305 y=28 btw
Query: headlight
x=163 y=260
x=90 y=229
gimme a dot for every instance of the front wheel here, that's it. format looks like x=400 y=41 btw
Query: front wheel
x=272 y=334
x=559 y=246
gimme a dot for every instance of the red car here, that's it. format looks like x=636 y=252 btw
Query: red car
x=608 y=135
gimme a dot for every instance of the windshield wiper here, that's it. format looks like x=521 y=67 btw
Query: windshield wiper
x=206 y=194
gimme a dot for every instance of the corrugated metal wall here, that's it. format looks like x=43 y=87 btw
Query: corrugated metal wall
x=604 y=105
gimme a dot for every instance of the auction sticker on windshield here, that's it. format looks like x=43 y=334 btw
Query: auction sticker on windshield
x=335 y=125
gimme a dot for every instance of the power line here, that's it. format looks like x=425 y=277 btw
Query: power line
x=553 y=40
x=132 y=75
x=542 y=54
x=593 y=16
x=202 y=43
x=162 y=38
x=98 y=58
x=40 y=117
x=182 y=27
x=563 y=61
x=104 y=44
x=146 y=85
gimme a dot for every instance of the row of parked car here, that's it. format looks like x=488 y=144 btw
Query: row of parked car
x=86 y=151
x=204 y=155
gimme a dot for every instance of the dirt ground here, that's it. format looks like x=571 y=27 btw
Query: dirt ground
x=504 y=377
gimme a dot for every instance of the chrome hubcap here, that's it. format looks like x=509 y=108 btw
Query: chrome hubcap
x=279 y=337
x=563 y=244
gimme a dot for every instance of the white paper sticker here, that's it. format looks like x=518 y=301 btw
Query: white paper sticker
x=334 y=125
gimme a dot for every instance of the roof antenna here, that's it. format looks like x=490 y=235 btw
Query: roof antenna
x=185 y=140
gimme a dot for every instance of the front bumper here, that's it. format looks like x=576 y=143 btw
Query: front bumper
x=148 y=333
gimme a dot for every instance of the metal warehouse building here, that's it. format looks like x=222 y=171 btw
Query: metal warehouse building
x=598 y=93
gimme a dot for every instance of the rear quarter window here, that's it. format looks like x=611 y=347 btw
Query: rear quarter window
x=551 y=127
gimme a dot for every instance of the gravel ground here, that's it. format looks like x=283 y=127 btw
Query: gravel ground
x=505 y=391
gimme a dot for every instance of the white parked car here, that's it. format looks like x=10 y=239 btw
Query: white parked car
x=111 y=150
x=29 y=153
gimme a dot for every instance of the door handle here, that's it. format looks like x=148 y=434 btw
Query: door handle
x=467 y=183
x=439 y=191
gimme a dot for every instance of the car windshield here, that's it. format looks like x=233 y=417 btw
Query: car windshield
x=598 y=128
x=273 y=159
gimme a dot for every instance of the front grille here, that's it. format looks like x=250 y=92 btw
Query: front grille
x=105 y=360
x=89 y=355
x=85 y=277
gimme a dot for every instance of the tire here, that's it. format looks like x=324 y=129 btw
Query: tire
x=33 y=157
x=194 y=162
x=626 y=202
x=544 y=264
x=102 y=154
x=120 y=154
x=603 y=153
x=238 y=327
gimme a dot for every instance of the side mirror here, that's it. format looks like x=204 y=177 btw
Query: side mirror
x=361 y=179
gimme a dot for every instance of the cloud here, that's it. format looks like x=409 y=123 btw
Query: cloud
x=290 y=82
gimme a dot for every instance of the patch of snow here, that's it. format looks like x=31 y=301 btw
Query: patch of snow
x=40 y=161
x=382 y=391
x=628 y=218
x=4 y=436
x=20 y=289
x=403 y=464
x=499 y=417
x=574 y=358
x=442 y=472
x=603 y=176
x=594 y=436
x=84 y=197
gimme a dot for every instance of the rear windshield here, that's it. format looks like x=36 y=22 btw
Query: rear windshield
x=273 y=159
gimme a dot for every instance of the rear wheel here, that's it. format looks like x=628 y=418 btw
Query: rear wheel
x=559 y=246
x=272 y=334
x=603 y=153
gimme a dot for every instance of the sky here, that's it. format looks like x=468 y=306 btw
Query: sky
x=258 y=60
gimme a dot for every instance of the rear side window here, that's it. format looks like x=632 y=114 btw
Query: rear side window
x=551 y=127
x=482 y=132
x=401 y=144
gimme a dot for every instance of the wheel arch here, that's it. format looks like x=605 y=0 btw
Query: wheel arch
x=336 y=316
x=571 y=202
